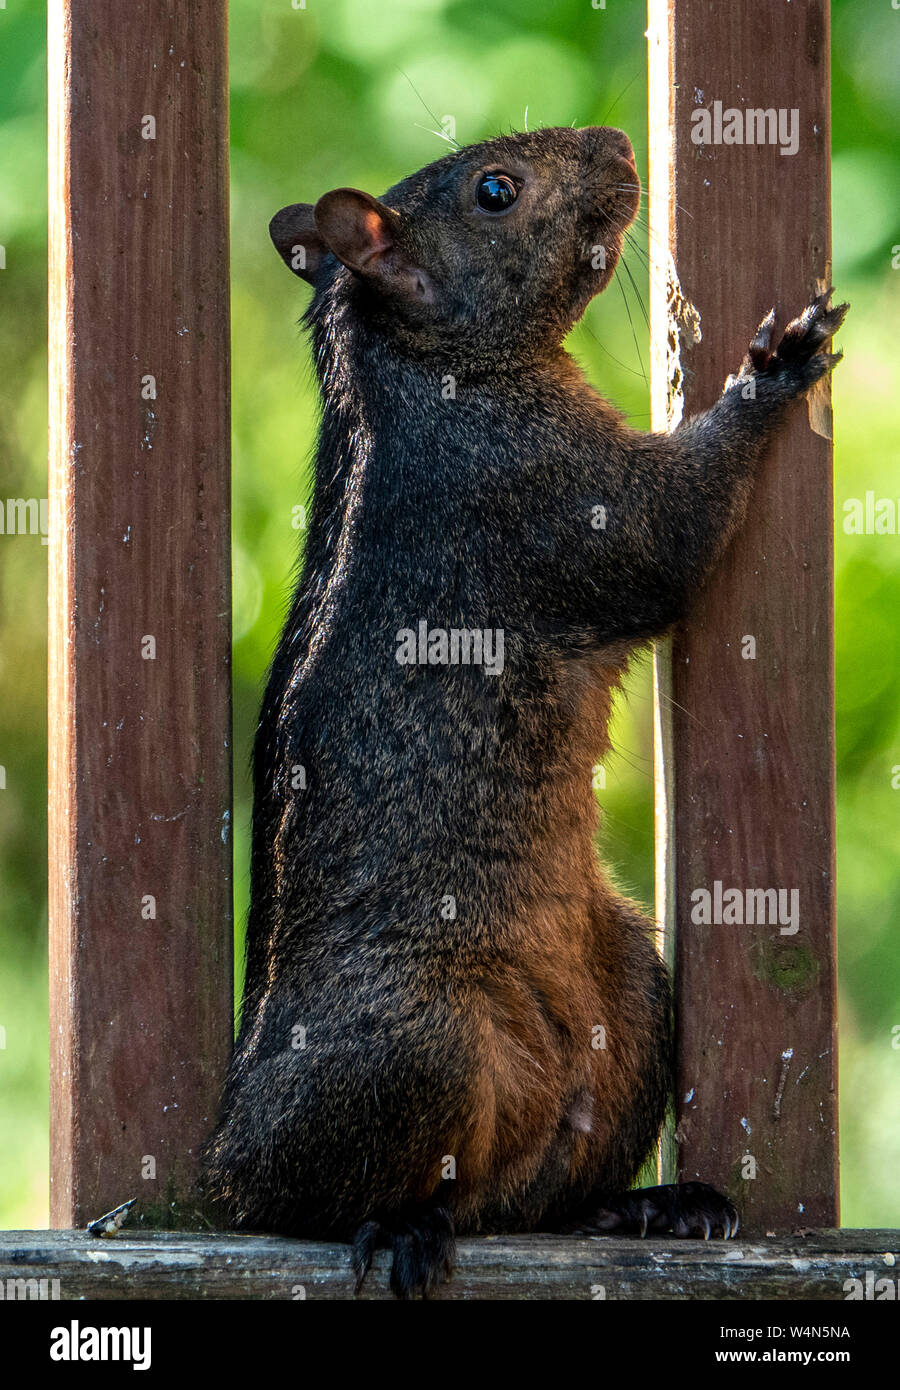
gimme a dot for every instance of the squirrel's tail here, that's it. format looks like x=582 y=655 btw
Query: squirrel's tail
x=422 y=1243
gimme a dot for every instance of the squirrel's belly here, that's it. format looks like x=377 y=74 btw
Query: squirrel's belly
x=502 y=1080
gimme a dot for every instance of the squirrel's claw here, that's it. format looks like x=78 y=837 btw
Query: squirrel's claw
x=806 y=333
x=691 y=1209
x=798 y=361
x=761 y=346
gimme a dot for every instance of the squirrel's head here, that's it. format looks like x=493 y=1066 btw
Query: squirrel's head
x=493 y=251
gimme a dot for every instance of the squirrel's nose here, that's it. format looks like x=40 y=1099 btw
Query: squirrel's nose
x=608 y=139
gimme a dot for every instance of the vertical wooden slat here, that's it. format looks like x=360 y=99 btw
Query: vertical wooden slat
x=745 y=747
x=140 y=774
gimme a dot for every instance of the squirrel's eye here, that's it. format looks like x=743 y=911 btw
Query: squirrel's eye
x=496 y=193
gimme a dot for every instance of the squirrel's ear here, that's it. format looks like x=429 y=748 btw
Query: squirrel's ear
x=297 y=239
x=366 y=236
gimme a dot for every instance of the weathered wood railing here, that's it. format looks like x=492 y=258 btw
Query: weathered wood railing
x=745 y=690
x=178 y=1265
x=140 y=580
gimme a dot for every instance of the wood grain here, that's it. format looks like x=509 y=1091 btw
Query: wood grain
x=145 y=1265
x=745 y=747
x=140 y=749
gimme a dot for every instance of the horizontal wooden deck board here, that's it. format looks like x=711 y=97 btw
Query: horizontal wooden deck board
x=180 y=1265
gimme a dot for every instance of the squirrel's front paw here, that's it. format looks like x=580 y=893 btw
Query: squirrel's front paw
x=798 y=361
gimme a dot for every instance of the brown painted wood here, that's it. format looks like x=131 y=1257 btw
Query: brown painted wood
x=745 y=747
x=175 y=1265
x=140 y=784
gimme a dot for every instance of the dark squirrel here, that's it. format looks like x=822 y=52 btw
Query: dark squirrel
x=432 y=947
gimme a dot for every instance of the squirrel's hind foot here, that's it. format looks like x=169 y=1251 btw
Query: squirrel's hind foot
x=423 y=1245
x=691 y=1209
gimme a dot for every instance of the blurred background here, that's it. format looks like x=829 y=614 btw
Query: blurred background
x=345 y=92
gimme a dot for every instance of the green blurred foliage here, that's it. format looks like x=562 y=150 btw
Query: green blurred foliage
x=345 y=92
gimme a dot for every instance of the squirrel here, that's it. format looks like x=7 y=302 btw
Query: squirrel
x=433 y=948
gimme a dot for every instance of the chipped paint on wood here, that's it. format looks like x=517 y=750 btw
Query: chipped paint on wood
x=226 y=1266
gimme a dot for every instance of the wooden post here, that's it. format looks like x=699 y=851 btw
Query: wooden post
x=744 y=710
x=140 y=731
